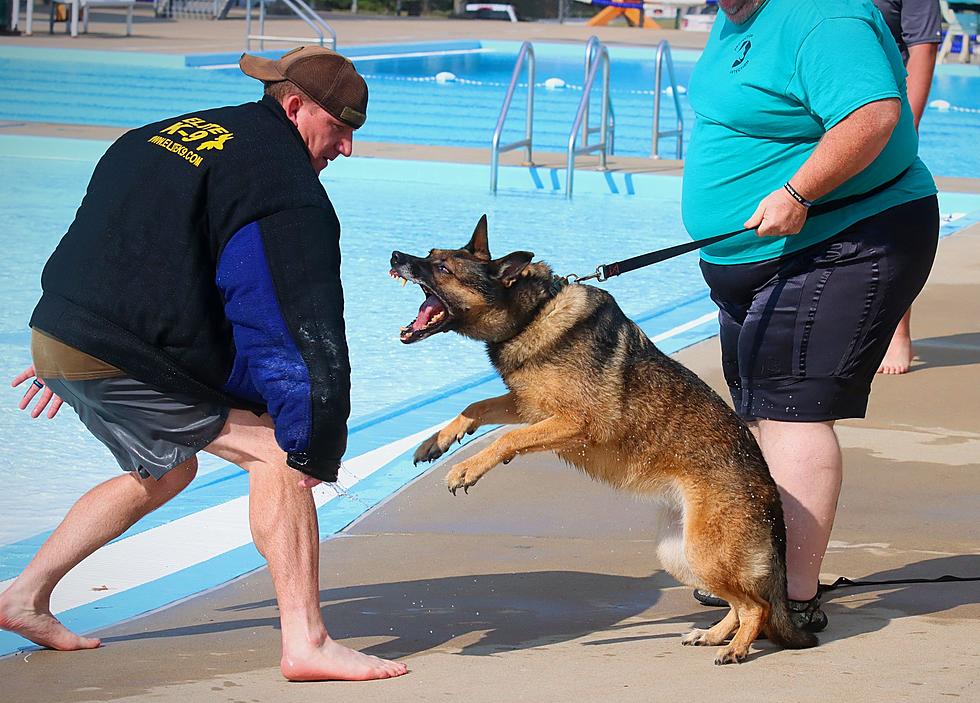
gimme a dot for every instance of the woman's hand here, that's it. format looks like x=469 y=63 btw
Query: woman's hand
x=778 y=214
x=46 y=398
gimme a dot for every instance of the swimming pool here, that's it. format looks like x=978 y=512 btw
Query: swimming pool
x=408 y=105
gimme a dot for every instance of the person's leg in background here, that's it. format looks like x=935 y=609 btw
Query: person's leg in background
x=284 y=526
x=920 y=67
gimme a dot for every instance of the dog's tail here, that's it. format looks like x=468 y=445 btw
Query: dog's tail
x=780 y=627
x=782 y=630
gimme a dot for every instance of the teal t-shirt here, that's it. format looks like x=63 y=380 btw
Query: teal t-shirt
x=764 y=93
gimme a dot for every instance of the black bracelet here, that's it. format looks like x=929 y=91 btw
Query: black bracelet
x=796 y=196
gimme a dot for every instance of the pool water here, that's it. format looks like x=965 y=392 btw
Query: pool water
x=407 y=105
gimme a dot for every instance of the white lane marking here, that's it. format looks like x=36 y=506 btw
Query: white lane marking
x=708 y=317
x=192 y=539
x=368 y=57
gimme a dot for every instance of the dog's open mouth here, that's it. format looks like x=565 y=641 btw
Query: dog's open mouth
x=433 y=316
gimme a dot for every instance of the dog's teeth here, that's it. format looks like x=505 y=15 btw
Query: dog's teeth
x=404 y=281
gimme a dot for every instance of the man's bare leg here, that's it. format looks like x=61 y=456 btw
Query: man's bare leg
x=99 y=516
x=805 y=461
x=898 y=358
x=284 y=527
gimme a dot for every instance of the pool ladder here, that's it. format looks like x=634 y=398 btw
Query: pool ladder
x=596 y=59
x=524 y=56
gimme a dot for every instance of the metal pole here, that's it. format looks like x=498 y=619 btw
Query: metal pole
x=655 y=151
x=529 y=119
x=604 y=127
x=262 y=25
x=248 y=25
x=591 y=47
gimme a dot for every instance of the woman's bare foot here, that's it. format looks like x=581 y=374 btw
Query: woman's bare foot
x=331 y=661
x=40 y=626
x=898 y=358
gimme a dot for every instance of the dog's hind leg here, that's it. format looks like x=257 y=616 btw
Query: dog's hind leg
x=501 y=410
x=716 y=634
x=670 y=536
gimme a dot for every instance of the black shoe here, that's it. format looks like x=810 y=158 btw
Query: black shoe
x=709 y=599
x=807 y=615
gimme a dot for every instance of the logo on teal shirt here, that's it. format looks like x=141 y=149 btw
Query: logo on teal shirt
x=741 y=54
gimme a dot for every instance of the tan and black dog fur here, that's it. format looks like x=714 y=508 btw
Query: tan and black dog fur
x=589 y=385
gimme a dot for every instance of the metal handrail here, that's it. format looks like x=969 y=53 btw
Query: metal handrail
x=301 y=10
x=590 y=48
x=663 y=54
x=580 y=118
x=525 y=55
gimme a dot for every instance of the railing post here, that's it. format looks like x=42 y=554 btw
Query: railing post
x=525 y=55
x=663 y=54
x=248 y=25
x=529 y=117
x=604 y=127
x=601 y=58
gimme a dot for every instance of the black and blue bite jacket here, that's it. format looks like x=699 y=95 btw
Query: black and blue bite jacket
x=205 y=260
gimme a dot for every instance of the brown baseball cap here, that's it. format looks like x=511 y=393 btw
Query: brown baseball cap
x=327 y=77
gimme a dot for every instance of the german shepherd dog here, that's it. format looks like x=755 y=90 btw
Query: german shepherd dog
x=586 y=383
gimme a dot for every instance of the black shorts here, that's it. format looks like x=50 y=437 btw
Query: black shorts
x=802 y=336
x=149 y=432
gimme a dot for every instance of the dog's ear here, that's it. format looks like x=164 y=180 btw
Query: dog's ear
x=478 y=245
x=507 y=269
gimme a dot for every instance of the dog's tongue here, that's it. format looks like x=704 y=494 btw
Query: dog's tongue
x=429 y=308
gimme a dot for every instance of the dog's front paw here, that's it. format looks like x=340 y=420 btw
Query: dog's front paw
x=463 y=476
x=439 y=443
x=430 y=450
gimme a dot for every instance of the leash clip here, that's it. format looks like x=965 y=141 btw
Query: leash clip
x=599 y=275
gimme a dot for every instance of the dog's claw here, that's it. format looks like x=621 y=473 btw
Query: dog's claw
x=466 y=490
x=453 y=491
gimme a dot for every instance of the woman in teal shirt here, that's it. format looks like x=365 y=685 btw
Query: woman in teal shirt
x=800 y=101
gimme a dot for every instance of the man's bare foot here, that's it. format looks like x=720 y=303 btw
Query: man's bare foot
x=40 y=626
x=335 y=662
x=898 y=358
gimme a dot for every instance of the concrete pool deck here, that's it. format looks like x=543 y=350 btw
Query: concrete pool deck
x=542 y=585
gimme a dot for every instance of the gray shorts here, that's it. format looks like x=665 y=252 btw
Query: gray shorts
x=147 y=430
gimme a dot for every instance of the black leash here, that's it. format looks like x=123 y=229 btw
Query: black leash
x=605 y=271
x=844 y=582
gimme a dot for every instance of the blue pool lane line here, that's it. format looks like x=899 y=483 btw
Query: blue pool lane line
x=366 y=434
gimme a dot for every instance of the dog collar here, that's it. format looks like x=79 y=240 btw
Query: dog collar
x=557 y=283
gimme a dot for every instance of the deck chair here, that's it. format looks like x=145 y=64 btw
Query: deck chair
x=83 y=6
x=967 y=12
